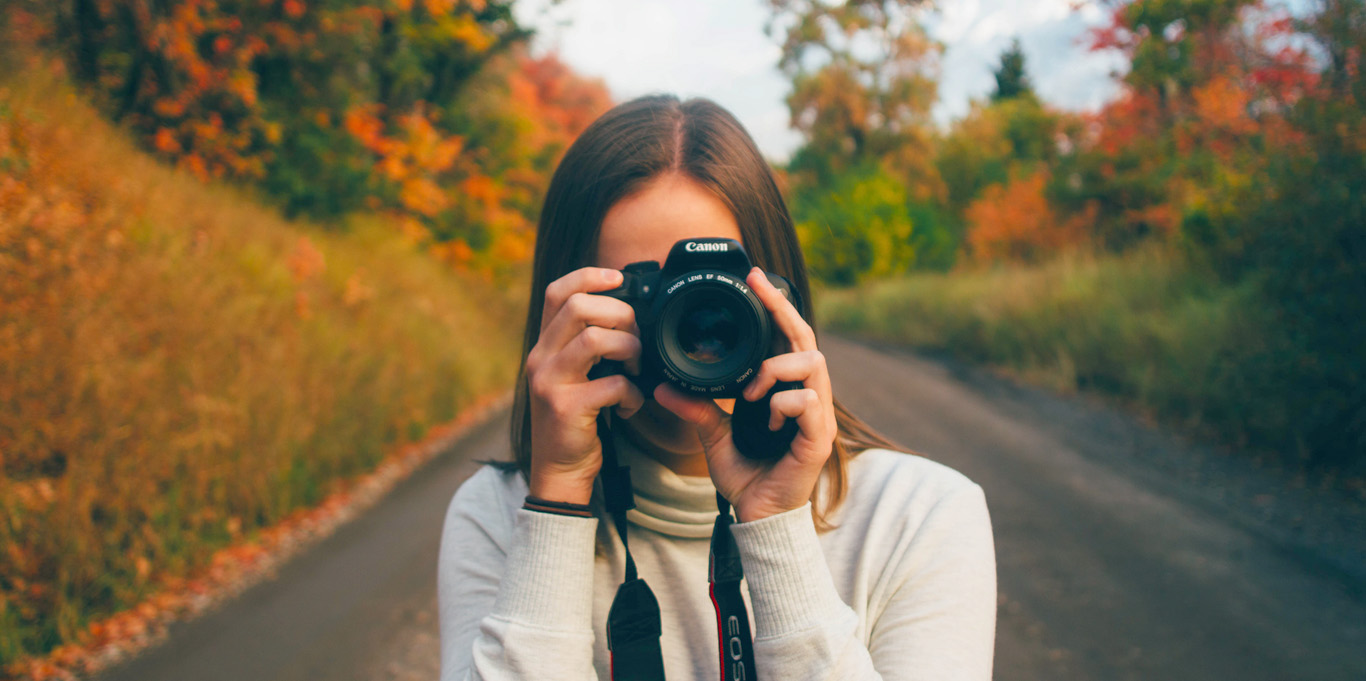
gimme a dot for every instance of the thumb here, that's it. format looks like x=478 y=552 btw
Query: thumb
x=703 y=413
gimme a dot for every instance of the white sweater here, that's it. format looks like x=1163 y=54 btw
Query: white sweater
x=903 y=588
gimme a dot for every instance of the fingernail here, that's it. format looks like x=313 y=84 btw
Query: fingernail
x=614 y=277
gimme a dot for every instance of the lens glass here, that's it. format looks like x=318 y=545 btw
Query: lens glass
x=707 y=334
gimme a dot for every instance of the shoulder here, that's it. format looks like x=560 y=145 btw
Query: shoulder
x=904 y=495
x=488 y=500
x=887 y=476
x=907 y=518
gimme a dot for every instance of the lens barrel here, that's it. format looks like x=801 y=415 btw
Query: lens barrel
x=711 y=333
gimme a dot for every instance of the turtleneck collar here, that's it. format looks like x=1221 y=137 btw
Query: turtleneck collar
x=666 y=502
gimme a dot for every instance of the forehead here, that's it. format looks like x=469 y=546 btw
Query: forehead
x=671 y=207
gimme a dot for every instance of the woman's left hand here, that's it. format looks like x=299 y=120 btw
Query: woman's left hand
x=757 y=489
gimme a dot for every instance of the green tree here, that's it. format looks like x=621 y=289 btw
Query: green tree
x=858 y=228
x=1011 y=79
x=864 y=77
x=994 y=139
x=1305 y=245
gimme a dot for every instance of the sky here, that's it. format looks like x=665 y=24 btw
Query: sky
x=719 y=49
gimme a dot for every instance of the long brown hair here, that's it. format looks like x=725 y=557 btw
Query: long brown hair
x=627 y=147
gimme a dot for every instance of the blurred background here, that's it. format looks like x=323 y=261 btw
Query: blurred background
x=252 y=251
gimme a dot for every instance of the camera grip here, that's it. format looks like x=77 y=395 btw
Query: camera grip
x=749 y=427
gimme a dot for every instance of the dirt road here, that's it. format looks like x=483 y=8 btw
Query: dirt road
x=1123 y=553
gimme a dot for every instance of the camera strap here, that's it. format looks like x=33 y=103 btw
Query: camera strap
x=732 y=619
x=633 y=622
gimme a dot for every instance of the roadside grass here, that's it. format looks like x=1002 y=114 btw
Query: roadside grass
x=181 y=367
x=1145 y=327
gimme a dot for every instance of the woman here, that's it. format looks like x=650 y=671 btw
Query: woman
x=860 y=562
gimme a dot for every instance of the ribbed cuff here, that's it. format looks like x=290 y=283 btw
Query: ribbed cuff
x=549 y=581
x=790 y=585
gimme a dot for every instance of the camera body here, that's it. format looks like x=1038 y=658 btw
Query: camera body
x=701 y=327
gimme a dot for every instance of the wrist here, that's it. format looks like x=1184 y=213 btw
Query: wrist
x=535 y=503
x=565 y=489
x=751 y=512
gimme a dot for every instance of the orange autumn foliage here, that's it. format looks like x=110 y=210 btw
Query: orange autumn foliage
x=482 y=187
x=529 y=110
x=1016 y=222
x=181 y=369
x=331 y=108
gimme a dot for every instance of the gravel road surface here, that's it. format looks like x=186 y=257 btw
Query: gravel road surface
x=1123 y=552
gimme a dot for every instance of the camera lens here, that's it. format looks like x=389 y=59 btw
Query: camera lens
x=708 y=334
x=711 y=333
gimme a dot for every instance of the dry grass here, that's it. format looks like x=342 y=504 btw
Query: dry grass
x=180 y=366
x=1145 y=327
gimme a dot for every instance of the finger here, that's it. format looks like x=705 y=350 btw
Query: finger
x=807 y=368
x=592 y=345
x=580 y=311
x=803 y=405
x=703 y=413
x=568 y=403
x=611 y=390
x=584 y=279
x=788 y=319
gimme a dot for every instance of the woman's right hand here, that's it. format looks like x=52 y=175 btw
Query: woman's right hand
x=577 y=330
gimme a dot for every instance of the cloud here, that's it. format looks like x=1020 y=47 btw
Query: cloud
x=718 y=49
x=1064 y=73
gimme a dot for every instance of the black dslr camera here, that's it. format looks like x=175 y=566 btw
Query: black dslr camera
x=705 y=332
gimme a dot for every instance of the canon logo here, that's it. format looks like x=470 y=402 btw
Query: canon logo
x=694 y=247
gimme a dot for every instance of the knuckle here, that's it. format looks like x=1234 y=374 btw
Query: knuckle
x=558 y=410
x=764 y=369
x=593 y=339
x=560 y=402
x=555 y=293
x=542 y=389
x=577 y=305
x=618 y=312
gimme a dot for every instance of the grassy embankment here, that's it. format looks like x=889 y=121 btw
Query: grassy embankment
x=181 y=367
x=1143 y=327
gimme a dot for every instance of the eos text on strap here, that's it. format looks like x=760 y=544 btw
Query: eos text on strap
x=633 y=623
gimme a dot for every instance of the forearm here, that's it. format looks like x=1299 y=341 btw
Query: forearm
x=539 y=625
x=802 y=628
x=937 y=621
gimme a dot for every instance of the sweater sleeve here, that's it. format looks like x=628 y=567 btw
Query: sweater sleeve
x=938 y=623
x=515 y=590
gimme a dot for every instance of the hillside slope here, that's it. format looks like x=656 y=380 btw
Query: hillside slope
x=181 y=367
